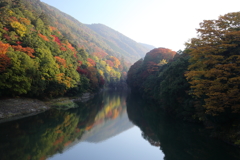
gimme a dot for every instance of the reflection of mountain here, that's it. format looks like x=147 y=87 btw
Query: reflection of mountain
x=108 y=129
x=55 y=131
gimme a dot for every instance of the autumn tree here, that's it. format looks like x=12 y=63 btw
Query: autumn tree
x=29 y=51
x=215 y=64
x=5 y=62
x=4 y=47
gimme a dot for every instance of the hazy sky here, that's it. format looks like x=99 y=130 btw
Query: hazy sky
x=162 y=23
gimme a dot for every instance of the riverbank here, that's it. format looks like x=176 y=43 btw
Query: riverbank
x=16 y=108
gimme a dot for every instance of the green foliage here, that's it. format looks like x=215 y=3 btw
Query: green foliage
x=201 y=83
x=51 y=54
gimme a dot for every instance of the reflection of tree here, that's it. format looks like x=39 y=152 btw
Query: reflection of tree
x=46 y=134
x=112 y=107
x=178 y=140
x=111 y=119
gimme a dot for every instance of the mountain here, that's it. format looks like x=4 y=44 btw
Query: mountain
x=123 y=45
x=96 y=37
x=45 y=52
x=148 y=46
x=109 y=128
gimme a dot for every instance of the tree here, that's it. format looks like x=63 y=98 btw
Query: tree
x=4 y=47
x=20 y=28
x=5 y=62
x=215 y=64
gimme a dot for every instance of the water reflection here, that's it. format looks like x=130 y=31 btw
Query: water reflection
x=43 y=135
x=178 y=141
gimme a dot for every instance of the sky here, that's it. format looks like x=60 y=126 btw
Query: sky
x=161 y=23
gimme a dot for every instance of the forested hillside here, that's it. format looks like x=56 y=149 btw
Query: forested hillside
x=46 y=53
x=201 y=83
x=124 y=46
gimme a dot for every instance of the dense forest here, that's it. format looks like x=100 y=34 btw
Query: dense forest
x=46 y=53
x=200 y=84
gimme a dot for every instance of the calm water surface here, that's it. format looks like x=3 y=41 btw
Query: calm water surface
x=114 y=125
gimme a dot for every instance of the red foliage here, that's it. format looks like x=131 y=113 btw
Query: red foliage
x=18 y=42
x=91 y=61
x=52 y=28
x=13 y=19
x=63 y=49
x=5 y=62
x=110 y=63
x=29 y=51
x=6 y=29
x=7 y=37
x=80 y=62
x=57 y=40
x=82 y=71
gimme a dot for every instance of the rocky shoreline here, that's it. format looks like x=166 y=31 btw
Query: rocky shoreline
x=16 y=108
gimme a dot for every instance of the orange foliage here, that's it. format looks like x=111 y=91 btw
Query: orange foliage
x=115 y=61
x=115 y=114
x=58 y=131
x=25 y=21
x=61 y=61
x=59 y=140
x=91 y=62
x=67 y=143
x=71 y=47
x=152 y=67
x=100 y=54
x=158 y=54
x=43 y=37
x=5 y=62
x=89 y=127
x=42 y=158
x=52 y=28
x=29 y=51
x=3 y=47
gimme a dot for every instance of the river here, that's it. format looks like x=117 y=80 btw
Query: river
x=113 y=125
